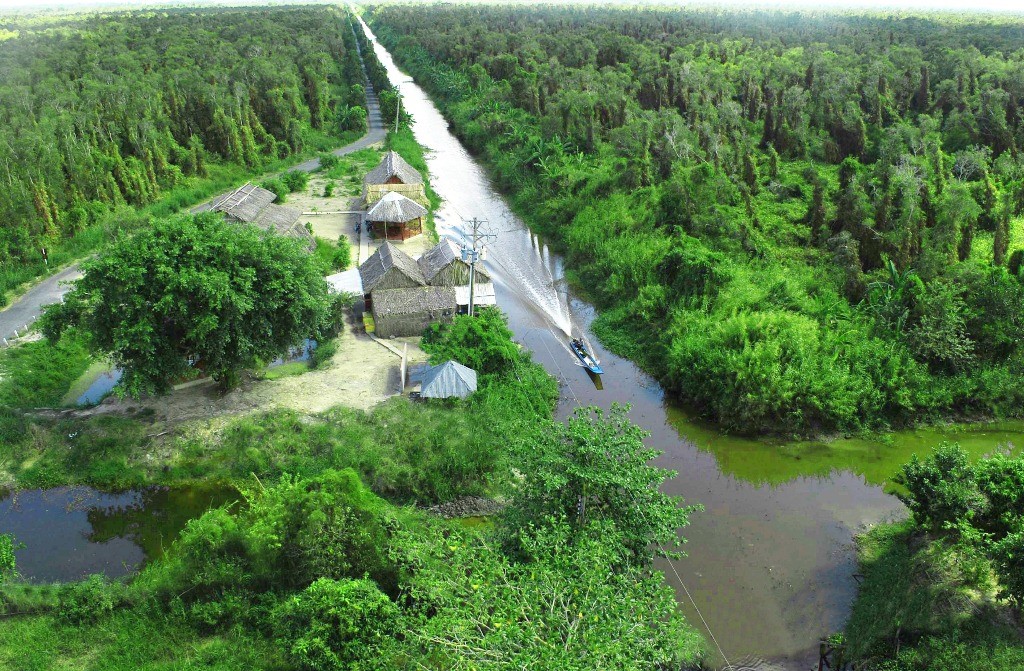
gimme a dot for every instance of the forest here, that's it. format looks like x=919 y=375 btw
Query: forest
x=802 y=223
x=99 y=111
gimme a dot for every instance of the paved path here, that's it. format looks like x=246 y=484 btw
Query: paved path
x=27 y=308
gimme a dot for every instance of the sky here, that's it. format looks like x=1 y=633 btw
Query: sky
x=956 y=5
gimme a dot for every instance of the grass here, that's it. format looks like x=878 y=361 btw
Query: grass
x=921 y=608
x=286 y=370
x=404 y=451
x=333 y=256
x=38 y=374
x=130 y=641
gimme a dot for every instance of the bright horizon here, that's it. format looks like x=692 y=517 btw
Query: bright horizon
x=1011 y=6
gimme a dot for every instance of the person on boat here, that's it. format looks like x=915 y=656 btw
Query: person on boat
x=578 y=344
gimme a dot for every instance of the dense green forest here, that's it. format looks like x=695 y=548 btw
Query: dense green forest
x=803 y=222
x=103 y=110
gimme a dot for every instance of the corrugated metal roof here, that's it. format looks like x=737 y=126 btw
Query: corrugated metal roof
x=395 y=208
x=384 y=259
x=447 y=380
x=393 y=165
x=346 y=282
x=483 y=294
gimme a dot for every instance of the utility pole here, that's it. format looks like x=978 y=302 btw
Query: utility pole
x=471 y=255
x=398 y=109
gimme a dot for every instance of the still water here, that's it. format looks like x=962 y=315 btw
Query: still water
x=85 y=531
x=771 y=558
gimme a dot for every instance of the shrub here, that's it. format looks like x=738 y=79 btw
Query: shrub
x=86 y=601
x=295 y=180
x=329 y=189
x=7 y=564
x=942 y=489
x=1009 y=560
x=335 y=623
x=482 y=342
x=323 y=353
x=278 y=187
x=328 y=161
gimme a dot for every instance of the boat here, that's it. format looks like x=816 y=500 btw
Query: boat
x=589 y=362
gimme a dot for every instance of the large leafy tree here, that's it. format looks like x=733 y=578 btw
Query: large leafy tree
x=194 y=292
x=578 y=605
x=594 y=469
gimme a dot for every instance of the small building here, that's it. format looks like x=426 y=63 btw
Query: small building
x=393 y=175
x=406 y=296
x=442 y=265
x=251 y=204
x=395 y=217
x=389 y=268
x=408 y=312
x=448 y=380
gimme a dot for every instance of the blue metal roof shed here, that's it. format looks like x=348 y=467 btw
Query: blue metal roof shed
x=447 y=380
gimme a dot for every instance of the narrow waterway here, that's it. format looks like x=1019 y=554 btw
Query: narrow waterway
x=771 y=558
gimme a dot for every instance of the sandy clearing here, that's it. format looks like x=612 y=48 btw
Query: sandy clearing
x=360 y=375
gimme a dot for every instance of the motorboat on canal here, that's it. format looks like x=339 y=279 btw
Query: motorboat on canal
x=588 y=361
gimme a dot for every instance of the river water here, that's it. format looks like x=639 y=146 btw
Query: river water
x=770 y=560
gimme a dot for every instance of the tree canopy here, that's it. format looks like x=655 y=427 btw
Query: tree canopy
x=801 y=223
x=99 y=110
x=190 y=293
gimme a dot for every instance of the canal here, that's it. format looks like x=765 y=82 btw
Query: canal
x=771 y=559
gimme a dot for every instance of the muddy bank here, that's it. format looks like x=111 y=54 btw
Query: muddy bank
x=468 y=506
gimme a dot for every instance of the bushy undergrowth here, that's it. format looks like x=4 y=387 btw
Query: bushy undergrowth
x=38 y=374
x=942 y=591
x=785 y=286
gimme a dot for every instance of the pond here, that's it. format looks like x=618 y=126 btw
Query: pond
x=71 y=532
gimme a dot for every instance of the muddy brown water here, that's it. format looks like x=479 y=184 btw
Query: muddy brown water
x=771 y=559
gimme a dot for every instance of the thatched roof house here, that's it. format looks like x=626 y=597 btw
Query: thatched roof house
x=393 y=169
x=395 y=217
x=406 y=296
x=448 y=380
x=442 y=265
x=251 y=204
x=393 y=175
x=390 y=268
x=408 y=312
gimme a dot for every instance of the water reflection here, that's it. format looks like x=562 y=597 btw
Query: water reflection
x=771 y=558
x=71 y=532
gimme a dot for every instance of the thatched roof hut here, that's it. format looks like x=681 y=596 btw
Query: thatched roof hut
x=251 y=204
x=393 y=169
x=393 y=175
x=395 y=208
x=448 y=380
x=442 y=265
x=390 y=268
x=395 y=217
x=244 y=203
x=408 y=312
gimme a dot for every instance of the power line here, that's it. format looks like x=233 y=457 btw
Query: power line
x=671 y=564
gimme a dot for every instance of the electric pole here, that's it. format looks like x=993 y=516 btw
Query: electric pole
x=398 y=109
x=471 y=255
